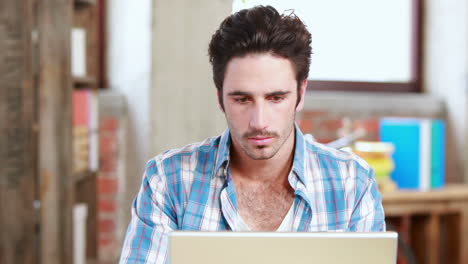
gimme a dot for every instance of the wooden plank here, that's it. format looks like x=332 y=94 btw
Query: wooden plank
x=55 y=148
x=464 y=235
x=404 y=208
x=401 y=225
x=102 y=42
x=84 y=3
x=425 y=235
x=450 y=192
x=433 y=239
x=452 y=235
x=18 y=172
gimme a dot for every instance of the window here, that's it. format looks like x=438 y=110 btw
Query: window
x=359 y=45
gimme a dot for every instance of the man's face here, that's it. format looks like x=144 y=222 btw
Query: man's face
x=260 y=102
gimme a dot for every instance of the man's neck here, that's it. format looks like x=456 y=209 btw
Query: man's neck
x=275 y=169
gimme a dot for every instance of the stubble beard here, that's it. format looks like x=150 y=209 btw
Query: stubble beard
x=264 y=152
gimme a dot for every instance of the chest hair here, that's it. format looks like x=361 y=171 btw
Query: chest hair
x=263 y=206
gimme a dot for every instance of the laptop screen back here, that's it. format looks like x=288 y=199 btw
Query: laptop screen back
x=284 y=248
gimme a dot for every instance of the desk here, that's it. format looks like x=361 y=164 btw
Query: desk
x=433 y=223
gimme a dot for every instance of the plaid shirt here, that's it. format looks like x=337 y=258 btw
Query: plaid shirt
x=191 y=189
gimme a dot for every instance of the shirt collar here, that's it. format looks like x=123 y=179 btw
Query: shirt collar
x=299 y=154
x=222 y=157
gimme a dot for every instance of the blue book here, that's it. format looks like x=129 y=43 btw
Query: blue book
x=404 y=134
x=438 y=154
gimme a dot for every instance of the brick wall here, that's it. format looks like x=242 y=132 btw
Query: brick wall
x=107 y=186
x=109 y=183
x=327 y=126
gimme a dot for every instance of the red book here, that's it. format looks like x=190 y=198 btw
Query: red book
x=81 y=121
x=81 y=107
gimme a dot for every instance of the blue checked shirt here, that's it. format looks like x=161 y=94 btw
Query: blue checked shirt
x=191 y=189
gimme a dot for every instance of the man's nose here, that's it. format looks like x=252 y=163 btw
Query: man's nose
x=258 y=118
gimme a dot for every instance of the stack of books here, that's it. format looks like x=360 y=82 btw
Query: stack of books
x=419 y=154
x=85 y=130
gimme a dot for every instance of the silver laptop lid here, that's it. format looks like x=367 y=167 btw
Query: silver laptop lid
x=281 y=248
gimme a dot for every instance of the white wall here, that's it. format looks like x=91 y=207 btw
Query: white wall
x=129 y=26
x=446 y=73
x=183 y=97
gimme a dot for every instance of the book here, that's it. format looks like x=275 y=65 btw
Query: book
x=438 y=154
x=93 y=131
x=80 y=121
x=78 y=52
x=85 y=130
x=419 y=151
x=425 y=149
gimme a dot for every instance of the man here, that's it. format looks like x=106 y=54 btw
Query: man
x=262 y=173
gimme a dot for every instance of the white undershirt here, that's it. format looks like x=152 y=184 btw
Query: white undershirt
x=286 y=225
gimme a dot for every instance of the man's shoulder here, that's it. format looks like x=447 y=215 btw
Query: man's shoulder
x=173 y=160
x=209 y=145
x=316 y=150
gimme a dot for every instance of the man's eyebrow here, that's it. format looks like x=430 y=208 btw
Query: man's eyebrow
x=279 y=93
x=238 y=93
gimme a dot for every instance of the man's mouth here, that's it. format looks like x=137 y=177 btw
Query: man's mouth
x=260 y=140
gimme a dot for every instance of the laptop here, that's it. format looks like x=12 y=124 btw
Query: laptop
x=282 y=248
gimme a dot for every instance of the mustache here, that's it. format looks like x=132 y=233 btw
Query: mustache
x=260 y=133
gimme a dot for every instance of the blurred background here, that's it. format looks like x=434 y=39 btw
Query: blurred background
x=90 y=90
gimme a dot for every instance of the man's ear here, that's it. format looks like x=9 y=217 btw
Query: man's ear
x=220 y=99
x=302 y=91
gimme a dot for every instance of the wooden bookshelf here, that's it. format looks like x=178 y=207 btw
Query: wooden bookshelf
x=434 y=223
x=39 y=188
x=89 y=15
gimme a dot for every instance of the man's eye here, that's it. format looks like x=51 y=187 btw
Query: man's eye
x=241 y=100
x=277 y=99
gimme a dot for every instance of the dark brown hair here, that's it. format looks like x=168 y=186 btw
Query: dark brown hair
x=260 y=29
